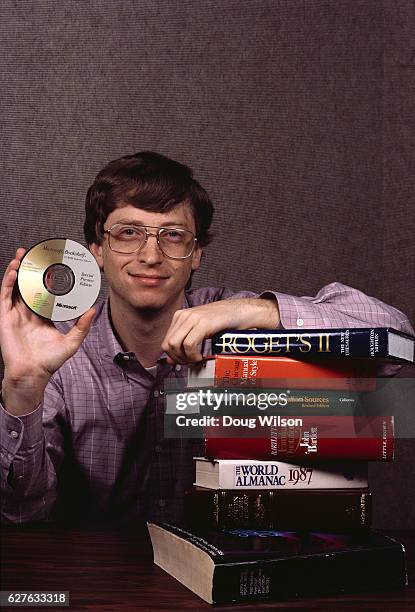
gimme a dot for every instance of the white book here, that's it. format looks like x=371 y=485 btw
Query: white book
x=249 y=474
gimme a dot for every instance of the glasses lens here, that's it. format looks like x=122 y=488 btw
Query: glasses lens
x=176 y=242
x=126 y=238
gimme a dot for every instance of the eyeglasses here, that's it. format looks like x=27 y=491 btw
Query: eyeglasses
x=173 y=242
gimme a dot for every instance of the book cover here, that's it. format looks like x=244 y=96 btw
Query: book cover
x=241 y=371
x=378 y=342
x=246 y=565
x=251 y=474
x=318 y=437
x=313 y=510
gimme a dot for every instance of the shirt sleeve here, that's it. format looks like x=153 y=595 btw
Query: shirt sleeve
x=31 y=453
x=337 y=305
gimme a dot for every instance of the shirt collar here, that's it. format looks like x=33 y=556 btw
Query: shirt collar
x=110 y=348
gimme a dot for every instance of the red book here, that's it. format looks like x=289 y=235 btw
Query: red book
x=267 y=372
x=369 y=438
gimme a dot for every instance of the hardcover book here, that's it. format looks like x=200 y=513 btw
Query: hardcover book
x=378 y=342
x=313 y=510
x=263 y=372
x=246 y=565
x=251 y=474
x=318 y=437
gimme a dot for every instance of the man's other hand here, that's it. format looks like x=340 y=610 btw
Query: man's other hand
x=190 y=326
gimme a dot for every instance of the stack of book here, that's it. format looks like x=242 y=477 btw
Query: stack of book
x=286 y=511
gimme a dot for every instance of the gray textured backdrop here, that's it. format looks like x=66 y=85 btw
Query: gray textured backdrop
x=296 y=115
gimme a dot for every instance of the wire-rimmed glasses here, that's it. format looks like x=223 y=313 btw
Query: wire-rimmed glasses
x=173 y=242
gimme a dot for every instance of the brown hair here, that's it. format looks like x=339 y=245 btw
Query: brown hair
x=149 y=181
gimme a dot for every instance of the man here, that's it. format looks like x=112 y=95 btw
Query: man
x=82 y=412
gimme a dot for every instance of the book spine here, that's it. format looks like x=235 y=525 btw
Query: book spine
x=348 y=571
x=281 y=510
x=285 y=476
x=344 y=343
x=247 y=372
x=331 y=437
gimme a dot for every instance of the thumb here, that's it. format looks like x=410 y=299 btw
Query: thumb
x=81 y=328
x=83 y=324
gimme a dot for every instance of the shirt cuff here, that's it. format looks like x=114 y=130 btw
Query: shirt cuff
x=19 y=432
x=298 y=313
x=290 y=317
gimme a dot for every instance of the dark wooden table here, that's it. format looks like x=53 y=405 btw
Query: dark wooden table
x=107 y=569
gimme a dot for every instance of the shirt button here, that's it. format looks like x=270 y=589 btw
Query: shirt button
x=155 y=393
x=178 y=367
x=14 y=434
x=300 y=322
x=162 y=503
x=158 y=448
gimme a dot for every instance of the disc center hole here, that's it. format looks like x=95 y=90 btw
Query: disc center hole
x=59 y=279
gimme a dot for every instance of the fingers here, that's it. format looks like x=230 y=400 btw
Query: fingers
x=19 y=253
x=9 y=280
x=185 y=350
x=184 y=338
x=7 y=285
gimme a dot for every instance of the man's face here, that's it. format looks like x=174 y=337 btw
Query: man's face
x=147 y=279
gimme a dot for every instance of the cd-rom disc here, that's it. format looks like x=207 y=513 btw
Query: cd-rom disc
x=59 y=279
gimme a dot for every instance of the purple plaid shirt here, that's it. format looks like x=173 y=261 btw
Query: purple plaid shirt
x=95 y=448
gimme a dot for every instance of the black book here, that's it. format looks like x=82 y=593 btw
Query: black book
x=317 y=509
x=361 y=342
x=243 y=565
